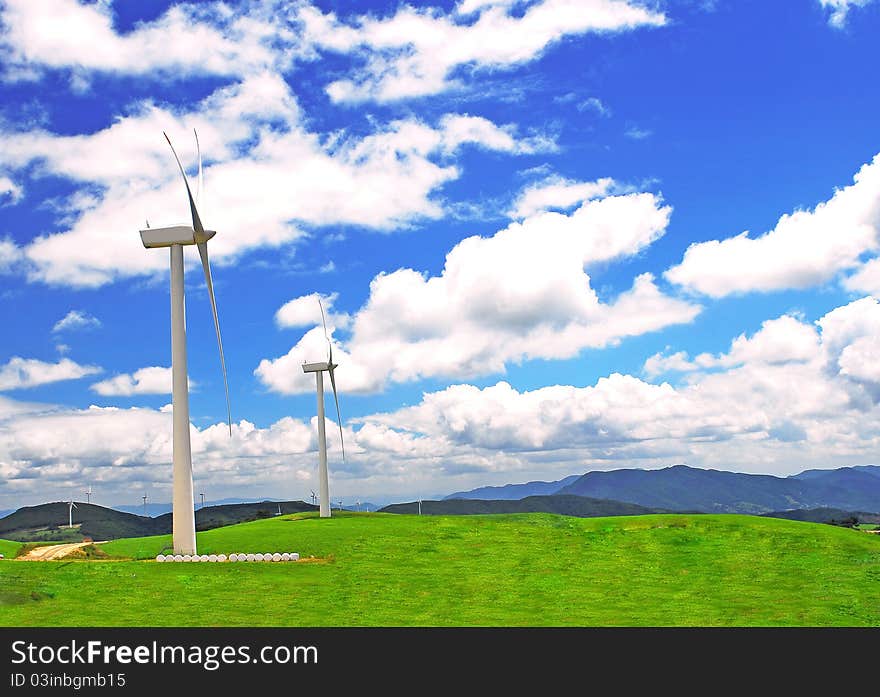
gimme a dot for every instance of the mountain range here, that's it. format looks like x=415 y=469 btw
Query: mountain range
x=680 y=488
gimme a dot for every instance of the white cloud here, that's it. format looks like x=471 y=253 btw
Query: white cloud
x=594 y=104
x=285 y=177
x=10 y=192
x=660 y=364
x=636 y=133
x=791 y=395
x=805 y=248
x=19 y=373
x=782 y=340
x=10 y=255
x=840 y=9
x=76 y=319
x=522 y=293
x=558 y=193
x=189 y=38
x=149 y=380
x=305 y=311
x=416 y=51
x=866 y=279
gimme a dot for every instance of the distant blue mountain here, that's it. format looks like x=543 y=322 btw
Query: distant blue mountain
x=157 y=509
x=683 y=488
x=842 y=474
x=514 y=492
x=715 y=491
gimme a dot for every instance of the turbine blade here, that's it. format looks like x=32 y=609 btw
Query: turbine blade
x=203 y=253
x=324 y=322
x=200 y=182
x=338 y=416
x=197 y=222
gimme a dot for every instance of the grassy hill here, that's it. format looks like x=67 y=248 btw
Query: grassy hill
x=9 y=548
x=579 y=506
x=48 y=521
x=499 y=570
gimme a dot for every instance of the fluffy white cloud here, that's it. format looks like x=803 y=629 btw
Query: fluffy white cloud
x=805 y=248
x=19 y=373
x=782 y=340
x=791 y=396
x=840 y=9
x=522 y=293
x=10 y=192
x=558 y=193
x=76 y=319
x=786 y=396
x=305 y=311
x=416 y=51
x=10 y=255
x=285 y=176
x=149 y=380
x=189 y=38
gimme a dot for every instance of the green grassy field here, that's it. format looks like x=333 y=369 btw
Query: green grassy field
x=9 y=549
x=504 y=570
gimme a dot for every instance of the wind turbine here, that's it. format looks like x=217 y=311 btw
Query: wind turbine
x=203 y=500
x=89 y=494
x=318 y=369
x=314 y=498
x=70 y=506
x=144 y=497
x=176 y=237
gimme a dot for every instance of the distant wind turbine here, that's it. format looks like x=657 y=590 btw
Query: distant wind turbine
x=144 y=497
x=176 y=237
x=314 y=498
x=70 y=506
x=203 y=500
x=318 y=369
x=89 y=494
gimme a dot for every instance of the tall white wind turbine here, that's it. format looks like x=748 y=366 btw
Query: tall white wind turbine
x=70 y=506
x=177 y=237
x=89 y=494
x=318 y=369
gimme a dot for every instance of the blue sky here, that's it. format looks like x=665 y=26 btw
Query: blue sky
x=551 y=237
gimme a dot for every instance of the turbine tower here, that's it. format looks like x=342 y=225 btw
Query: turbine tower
x=318 y=369
x=70 y=506
x=177 y=237
x=89 y=494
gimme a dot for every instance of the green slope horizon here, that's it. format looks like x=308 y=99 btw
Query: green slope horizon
x=530 y=569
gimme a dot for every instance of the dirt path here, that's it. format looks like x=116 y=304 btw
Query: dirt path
x=50 y=552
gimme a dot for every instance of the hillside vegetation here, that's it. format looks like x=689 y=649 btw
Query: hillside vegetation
x=501 y=570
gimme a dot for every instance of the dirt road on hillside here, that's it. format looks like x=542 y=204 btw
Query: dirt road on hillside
x=50 y=552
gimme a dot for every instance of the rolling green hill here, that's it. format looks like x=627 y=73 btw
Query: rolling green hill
x=579 y=506
x=48 y=521
x=497 y=570
x=9 y=548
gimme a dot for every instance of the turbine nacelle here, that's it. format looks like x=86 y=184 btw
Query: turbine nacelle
x=176 y=234
x=319 y=367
